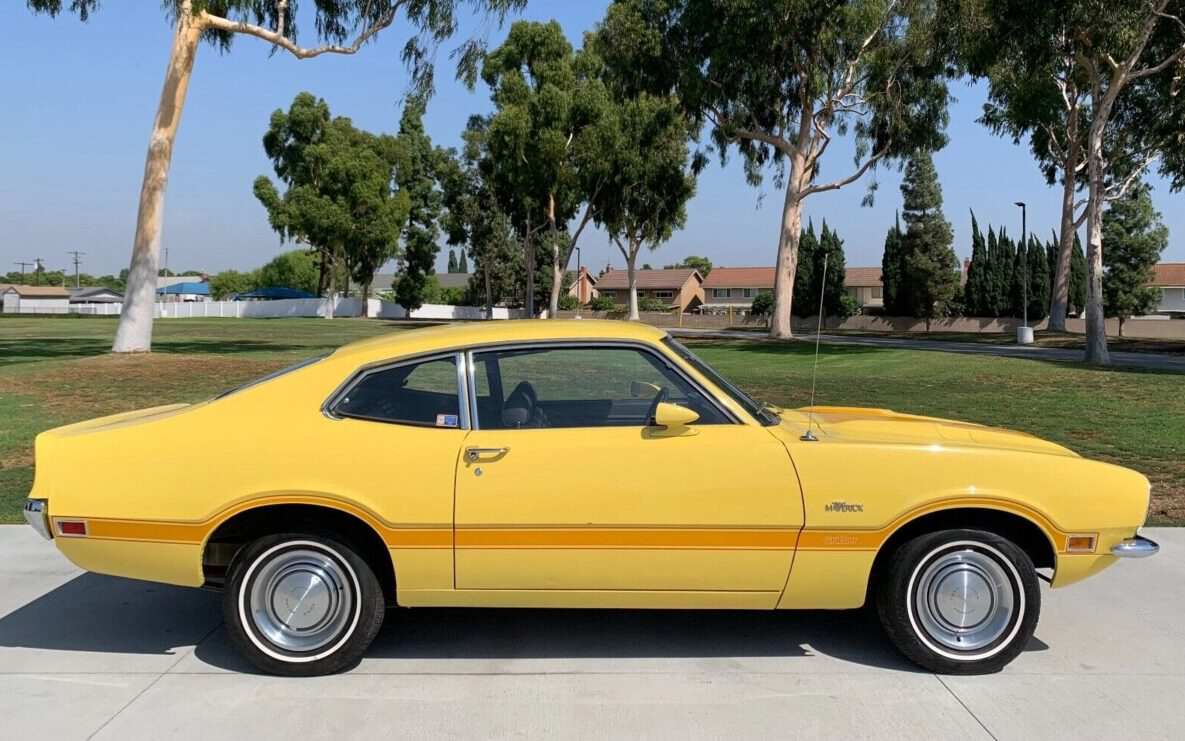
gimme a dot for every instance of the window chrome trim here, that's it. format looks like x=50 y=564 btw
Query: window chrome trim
x=666 y=361
x=328 y=407
x=471 y=377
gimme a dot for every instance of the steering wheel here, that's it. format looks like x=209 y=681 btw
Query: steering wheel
x=659 y=398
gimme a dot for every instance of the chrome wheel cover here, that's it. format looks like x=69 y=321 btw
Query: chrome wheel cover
x=963 y=599
x=300 y=599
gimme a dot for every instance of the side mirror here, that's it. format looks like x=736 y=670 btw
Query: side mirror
x=674 y=419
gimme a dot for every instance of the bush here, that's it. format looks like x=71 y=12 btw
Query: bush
x=568 y=302
x=763 y=304
x=601 y=303
x=653 y=304
x=848 y=306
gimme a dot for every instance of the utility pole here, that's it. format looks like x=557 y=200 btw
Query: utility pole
x=166 y=262
x=38 y=268
x=1024 y=335
x=23 y=265
x=77 y=261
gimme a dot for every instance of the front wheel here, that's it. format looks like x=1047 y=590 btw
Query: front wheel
x=960 y=601
x=301 y=604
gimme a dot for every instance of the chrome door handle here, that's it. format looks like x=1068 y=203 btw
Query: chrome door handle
x=474 y=454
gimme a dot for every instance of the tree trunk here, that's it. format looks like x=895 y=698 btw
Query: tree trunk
x=630 y=260
x=529 y=266
x=332 y=285
x=1096 y=330
x=1060 y=297
x=134 y=333
x=557 y=282
x=322 y=259
x=485 y=271
x=1121 y=326
x=787 y=260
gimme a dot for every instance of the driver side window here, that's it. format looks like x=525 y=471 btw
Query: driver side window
x=581 y=387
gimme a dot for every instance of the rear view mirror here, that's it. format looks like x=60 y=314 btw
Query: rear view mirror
x=643 y=390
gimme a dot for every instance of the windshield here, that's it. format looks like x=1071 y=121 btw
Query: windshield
x=763 y=415
x=270 y=376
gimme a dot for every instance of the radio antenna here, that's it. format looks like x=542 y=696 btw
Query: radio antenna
x=809 y=436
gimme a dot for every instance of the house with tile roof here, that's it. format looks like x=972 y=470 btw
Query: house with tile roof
x=675 y=287
x=1169 y=277
x=737 y=287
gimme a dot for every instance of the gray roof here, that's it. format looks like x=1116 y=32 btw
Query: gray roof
x=94 y=294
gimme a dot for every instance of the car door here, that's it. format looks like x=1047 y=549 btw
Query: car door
x=563 y=485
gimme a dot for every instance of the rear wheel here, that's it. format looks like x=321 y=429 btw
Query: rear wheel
x=960 y=601
x=302 y=604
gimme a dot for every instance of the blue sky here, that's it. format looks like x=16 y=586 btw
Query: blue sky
x=79 y=100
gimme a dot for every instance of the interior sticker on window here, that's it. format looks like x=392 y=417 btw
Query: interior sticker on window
x=446 y=420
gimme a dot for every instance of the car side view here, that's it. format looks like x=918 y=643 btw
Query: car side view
x=589 y=464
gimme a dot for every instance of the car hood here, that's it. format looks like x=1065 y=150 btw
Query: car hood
x=859 y=425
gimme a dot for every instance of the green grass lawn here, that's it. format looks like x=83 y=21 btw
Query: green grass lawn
x=1064 y=340
x=57 y=371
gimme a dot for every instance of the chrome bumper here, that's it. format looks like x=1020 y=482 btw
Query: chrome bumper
x=36 y=514
x=1137 y=547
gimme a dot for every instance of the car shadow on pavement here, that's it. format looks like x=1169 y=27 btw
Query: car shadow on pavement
x=121 y=616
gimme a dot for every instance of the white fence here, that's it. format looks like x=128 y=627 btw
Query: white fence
x=293 y=307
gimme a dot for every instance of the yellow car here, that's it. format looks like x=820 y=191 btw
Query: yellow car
x=573 y=464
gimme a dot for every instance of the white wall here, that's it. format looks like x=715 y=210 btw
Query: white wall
x=302 y=307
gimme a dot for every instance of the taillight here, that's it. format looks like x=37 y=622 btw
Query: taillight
x=72 y=527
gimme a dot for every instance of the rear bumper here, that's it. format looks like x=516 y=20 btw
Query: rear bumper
x=1136 y=547
x=37 y=515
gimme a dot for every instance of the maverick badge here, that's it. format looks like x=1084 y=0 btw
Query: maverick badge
x=839 y=506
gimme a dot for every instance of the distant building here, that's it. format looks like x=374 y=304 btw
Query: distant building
x=94 y=295
x=184 y=292
x=680 y=288
x=23 y=299
x=737 y=287
x=1169 y=277
x=584 y=285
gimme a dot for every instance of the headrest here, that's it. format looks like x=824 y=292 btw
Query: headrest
x=517 y=409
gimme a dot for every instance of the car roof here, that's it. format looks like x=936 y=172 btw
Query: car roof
x=468 y=334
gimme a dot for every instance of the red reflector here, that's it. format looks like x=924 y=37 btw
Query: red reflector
x=71 y=528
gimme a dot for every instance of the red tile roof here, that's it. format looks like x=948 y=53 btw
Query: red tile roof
x=672 y=279
x=740 y=278
x=764 y=277
x=1169 y=274
x=862 y=277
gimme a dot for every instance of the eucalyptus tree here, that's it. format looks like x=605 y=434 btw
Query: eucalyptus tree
x=643 y=198
x=338 y=197
x=1094 y=84
x=779 y=79
x=473 y=218
x=342 y=27
x=545 y=108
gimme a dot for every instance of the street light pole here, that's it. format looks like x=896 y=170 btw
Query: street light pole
x=1024 y=335
x=579 y=285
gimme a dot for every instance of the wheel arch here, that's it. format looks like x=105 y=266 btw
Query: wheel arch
x=230 y=535
x=1029 y=535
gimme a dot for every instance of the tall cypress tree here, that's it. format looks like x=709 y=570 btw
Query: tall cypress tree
x=930 y=261
x=416 y=176
x=462 y=263
x=1077 y=277
x=831 y=248
x=1040 y=281
x=976 y=290
x=991 y=305
x=452 y=261
x=1018 y=281
x=806 y=291
x=891 y=269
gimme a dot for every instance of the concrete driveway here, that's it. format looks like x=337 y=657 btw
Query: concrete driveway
x=84 y=655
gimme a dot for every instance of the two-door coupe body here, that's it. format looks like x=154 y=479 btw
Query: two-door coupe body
x=573 y=464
